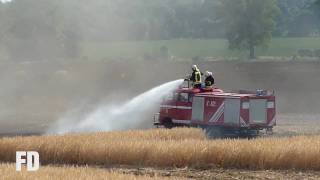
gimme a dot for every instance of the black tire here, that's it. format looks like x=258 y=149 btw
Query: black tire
x=249 y=134
x=167 y=123
x=213 y=132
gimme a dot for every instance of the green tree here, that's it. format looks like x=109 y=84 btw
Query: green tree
x=297 y=19
x=248 y=23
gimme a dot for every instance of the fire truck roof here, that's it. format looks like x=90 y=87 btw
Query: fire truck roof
x=217 y=92
x=223 y=94
x=189 y=90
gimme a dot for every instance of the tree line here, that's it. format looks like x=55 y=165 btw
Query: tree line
x=40 y=29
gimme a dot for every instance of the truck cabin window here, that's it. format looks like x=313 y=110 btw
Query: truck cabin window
x=184 y=97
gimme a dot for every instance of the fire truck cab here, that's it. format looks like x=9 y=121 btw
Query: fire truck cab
x=219 y=113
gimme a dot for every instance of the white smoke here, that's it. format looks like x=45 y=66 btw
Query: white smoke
x=135 y=113
x=5 y=1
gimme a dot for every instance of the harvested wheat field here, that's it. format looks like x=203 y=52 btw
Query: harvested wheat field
x=184 y=147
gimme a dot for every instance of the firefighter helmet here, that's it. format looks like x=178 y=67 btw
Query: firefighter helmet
x=194 y=67
x=208 y=73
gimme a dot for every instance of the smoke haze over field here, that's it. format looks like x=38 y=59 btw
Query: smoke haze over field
x=71 y=65
x=35 y=97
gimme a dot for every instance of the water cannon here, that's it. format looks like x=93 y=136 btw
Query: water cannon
x=262 y=92
x=186 y=83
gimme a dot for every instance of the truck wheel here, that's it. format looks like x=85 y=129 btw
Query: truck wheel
x=254 y=134
x=167 y=123
x=213 y=132
x=249 y=134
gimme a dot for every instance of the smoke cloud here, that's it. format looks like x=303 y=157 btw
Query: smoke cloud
x=135 y=113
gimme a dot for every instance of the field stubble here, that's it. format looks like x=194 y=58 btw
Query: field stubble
x=8 y=171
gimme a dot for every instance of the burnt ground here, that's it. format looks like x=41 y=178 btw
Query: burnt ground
x=231 y=174
x=292 y=124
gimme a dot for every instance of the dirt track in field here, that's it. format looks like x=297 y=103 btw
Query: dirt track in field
x=34 y=95
x=220 y=173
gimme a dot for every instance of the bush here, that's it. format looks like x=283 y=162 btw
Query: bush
x=317 y=53
x=305 y=52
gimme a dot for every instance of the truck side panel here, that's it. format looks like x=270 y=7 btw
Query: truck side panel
x=232 y=112
x=198 y=109
x=214 y=108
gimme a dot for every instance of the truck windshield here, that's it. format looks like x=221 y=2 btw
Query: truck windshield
x=184 y=97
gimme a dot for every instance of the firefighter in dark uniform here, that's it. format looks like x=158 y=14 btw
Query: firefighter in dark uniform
x=196 y=77
x=209 y=80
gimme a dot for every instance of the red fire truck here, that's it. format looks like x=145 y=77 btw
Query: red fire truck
x=219 y=113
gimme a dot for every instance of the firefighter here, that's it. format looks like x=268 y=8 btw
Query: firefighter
x=196 y=77
x=209 y=80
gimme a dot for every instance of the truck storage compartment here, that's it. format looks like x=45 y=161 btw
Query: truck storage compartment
x=197 y=108
x=232 y=111
x=258 y=111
